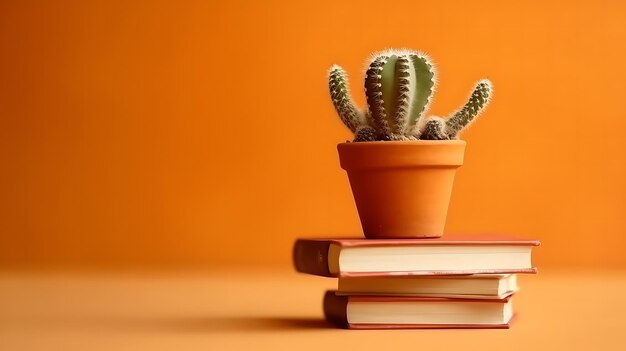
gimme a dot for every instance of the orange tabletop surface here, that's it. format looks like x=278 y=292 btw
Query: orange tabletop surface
x=280 y=310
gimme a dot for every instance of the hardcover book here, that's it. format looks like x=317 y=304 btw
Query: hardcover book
x=386 y=312
x=475 y=286
x=384 y=257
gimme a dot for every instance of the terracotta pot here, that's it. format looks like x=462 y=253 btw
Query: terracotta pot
x=402 y=188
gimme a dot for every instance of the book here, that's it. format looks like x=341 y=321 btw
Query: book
x=384 y=257
x=386 y=312
x=476 y=286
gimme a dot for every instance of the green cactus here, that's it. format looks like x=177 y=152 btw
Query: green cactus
x=340 y=94
x=374 y=94
x=398 y=87
x=434 y=129
x=365 y=133
x=463 y=118
x=425 y=83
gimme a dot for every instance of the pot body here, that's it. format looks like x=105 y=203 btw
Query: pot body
x=402 y=188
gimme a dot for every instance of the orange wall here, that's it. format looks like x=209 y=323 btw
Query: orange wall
x=201 y=133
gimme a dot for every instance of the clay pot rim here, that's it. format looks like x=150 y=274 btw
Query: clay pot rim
x=401 y=154
x=403 y=142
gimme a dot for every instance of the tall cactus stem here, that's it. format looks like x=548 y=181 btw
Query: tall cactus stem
x=374 y=94
x=388 y=77
x=425 y=79
x=403 y=92
x=340 y=95
x=477 y=101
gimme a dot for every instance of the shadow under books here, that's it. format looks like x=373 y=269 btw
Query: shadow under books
x=241 y=324
x=192 y=324
x=182 y=324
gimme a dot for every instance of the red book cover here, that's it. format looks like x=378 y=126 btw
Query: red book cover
x=313 y=256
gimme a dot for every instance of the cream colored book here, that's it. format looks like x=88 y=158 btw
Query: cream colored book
x=410 y=257
x=477 y=286
x=401 y=312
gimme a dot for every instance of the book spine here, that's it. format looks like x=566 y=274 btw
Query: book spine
x=311 y=257
x=336 y=309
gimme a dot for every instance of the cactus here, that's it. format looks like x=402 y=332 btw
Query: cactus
x=398 y=85
x=439 y=129
x=463 y=118
x=425 y=81
x=374 y=94
x=340 y=94
x=434 y=129
x=398 y=88
x=365 y=133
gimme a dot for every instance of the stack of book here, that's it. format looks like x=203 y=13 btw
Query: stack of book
x=417 y=283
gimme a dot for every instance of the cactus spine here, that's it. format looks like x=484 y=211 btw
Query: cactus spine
x=398 y=88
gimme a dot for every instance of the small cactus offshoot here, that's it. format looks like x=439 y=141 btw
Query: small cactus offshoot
x=340 y=94
x=398 y=88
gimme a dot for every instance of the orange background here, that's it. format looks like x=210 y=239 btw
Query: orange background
x=201 y=133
